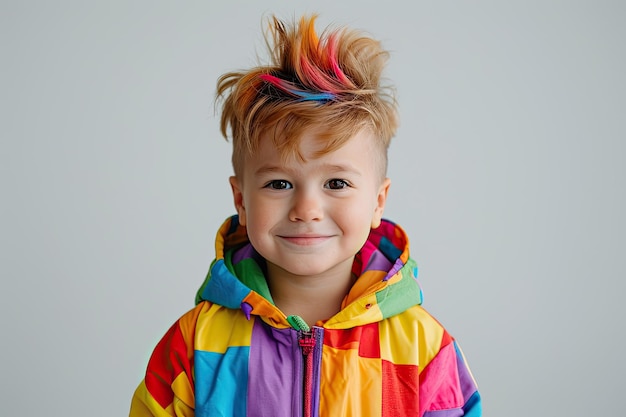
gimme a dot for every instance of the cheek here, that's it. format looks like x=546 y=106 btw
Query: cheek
x=257 y=231
x=358 y=218
x=262 y=214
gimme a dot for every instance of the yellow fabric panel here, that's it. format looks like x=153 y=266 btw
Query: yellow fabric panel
x=398 y=340
x=219 y=327
x=182 y=410
x=368 y=283
x=183 y=391
x=350 y=385
x=143 y=405
x=411 y=338
x=362 y=311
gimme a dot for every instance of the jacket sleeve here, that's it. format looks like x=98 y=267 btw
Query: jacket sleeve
x=168 y=386
x=447 y=387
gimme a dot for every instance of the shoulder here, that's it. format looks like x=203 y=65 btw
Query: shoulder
x=217 y=327
x=416 y=331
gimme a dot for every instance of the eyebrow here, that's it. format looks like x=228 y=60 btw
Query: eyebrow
x=333 y=168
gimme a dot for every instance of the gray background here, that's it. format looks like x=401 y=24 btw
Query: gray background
x=507 y=173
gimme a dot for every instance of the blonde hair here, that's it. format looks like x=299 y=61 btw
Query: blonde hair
x=332 y=82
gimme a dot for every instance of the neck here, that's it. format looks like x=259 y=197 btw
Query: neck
x=313 y=298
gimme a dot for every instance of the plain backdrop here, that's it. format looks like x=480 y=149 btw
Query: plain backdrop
x=507 y=173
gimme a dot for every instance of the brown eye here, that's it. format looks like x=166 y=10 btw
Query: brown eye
x=337 y=184
x=279 y=185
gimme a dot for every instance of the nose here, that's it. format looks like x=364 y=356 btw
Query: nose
x=306 y=207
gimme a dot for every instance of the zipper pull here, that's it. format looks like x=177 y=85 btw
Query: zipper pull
x=307 y=342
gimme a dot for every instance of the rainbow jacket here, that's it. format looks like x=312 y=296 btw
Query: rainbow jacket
x=236 y=354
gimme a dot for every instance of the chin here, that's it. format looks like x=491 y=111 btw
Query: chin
x=304 y=272
x=301 y=268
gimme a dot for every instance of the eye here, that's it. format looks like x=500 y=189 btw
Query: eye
x=337 y=184
x=278 y=185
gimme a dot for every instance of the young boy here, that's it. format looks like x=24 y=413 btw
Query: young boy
x=311 y=306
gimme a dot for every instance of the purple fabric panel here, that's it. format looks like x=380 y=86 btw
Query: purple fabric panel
x=275 y=372
x=396 y=267
x=468 y=387
x=378 y=262
x=245 y=252
x=454 y=412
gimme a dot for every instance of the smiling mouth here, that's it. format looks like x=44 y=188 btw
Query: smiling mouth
x=305 y=240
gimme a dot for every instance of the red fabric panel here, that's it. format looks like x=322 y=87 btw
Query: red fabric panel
x=400 y=390
x=168 y=360
x=364 y=338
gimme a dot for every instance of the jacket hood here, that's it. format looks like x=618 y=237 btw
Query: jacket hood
x=386 y=282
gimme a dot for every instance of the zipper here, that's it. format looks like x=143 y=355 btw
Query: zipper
x=307 y=340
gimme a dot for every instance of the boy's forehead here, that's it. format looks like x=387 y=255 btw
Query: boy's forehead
x=359 y=153
x=313 y=147
x=313 y=143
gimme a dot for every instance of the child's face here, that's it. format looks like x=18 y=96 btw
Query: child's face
x=311 y=218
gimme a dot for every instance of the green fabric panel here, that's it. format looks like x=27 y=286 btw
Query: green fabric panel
x=406 y=293
x=250 y=274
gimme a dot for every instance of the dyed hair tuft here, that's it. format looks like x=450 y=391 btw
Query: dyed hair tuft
x=331 y=81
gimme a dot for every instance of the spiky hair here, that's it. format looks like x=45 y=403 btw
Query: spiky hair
x=330 y=82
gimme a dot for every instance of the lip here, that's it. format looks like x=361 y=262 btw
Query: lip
x=305 y=240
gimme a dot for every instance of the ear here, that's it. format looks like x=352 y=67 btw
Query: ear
x=381 y=199
x=237 y=189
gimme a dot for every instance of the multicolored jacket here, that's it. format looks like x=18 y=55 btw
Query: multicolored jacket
x=236 y=354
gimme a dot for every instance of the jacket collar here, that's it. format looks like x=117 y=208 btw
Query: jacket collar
x=386 y=285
